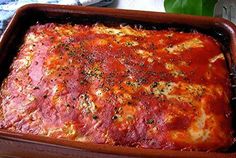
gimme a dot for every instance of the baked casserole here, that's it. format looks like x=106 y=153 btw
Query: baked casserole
x=163 y=89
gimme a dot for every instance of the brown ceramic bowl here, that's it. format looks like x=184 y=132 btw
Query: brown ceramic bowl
x=24 y=145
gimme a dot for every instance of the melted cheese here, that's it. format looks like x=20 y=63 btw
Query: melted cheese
x=198 y=131
x=144 y=54
x=124 y=30
x=217 y=57
x=192 y=43
x=86 y=104
x=119 y=86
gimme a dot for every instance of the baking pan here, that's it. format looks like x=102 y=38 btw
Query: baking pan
x=25 y=145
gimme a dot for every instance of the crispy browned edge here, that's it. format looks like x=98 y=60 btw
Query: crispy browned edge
x=23 y=145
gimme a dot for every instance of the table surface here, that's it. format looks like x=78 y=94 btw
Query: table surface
x=148 y=5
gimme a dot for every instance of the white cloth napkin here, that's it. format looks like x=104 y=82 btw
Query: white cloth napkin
x=8 y=7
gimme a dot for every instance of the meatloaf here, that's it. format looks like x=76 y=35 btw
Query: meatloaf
x=119 y=85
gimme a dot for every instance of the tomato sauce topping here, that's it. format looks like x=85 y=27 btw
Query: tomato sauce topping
x=125 y=86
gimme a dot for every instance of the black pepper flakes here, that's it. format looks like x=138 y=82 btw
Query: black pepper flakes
x=155 y=84
x=117 y=109
x=142 y=80
x=128 y=83
x=114 y=117
x=95 y=117
x=35 y=88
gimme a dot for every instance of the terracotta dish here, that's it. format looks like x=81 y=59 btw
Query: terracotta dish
x=104 y=82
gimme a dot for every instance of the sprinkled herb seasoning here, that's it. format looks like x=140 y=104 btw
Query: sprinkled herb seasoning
x=150 y=121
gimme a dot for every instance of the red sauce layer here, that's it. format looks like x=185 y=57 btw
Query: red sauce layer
x=122 y=86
